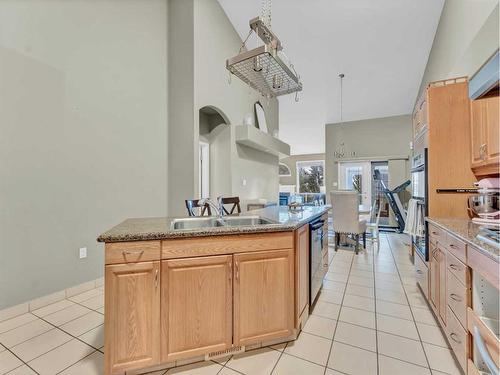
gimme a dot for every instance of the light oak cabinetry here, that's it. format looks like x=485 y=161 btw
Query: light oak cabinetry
x=448 y=113
x=132 y=317
x=263 y=296
x=484 y=122
x=449 y=288
x=302 y=272
x=184 y=298
x=196 y=306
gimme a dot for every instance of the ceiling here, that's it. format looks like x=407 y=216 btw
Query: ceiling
x=381 y=46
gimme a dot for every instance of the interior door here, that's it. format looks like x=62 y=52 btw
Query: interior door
x=357 y=176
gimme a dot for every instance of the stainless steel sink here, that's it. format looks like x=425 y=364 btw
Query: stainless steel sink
x=195 y=223
x=245 y=220
x=213 y=222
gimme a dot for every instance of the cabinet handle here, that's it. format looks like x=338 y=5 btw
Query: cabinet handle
x=156 y=279
x=454 y=336
x=230 y=264
x=483 y=351
x=419 y=272
x=454 y=267
x=435 y=233
x=453 y=246
x=455 y=297
x=237 y=266
x=128 y=252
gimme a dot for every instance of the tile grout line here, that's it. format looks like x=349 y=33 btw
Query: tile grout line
x=411 y=311
x=60 y=329
x=23 y=363
x=340 y=310
x=81 y=359
x=375 y=295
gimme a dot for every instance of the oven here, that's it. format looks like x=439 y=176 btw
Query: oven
x=316 y=270
x=419 y=190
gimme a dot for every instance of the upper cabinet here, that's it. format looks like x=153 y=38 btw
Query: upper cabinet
x=485 y=149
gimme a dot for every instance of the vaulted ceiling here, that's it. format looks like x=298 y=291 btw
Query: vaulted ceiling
x=381 y=46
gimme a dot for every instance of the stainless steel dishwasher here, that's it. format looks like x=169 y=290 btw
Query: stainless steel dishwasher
x=316 y=269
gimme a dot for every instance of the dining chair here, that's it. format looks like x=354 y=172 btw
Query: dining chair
x=345 y=211
x=192 y=204
x=235 y=201
x=372 y=225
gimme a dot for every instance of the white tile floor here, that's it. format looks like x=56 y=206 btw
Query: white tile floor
x=370 y=319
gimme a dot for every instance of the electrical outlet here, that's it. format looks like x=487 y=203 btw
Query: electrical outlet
x=243 y=182
x=83 y=252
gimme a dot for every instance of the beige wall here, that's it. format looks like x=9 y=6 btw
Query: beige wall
x=291 y=162
x=83 y=124
x=385 y=138
x=467 y=35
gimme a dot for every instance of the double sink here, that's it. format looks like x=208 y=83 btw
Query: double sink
x=214 y=222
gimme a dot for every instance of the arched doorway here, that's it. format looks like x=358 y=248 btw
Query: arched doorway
x=214 y=153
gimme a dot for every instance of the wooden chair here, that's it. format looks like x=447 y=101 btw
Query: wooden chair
x=191 y=204
x=235 y=201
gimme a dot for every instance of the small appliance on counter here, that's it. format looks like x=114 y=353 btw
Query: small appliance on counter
x=483 y=206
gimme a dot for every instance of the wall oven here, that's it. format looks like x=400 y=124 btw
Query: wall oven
x=420 y=193
x=316 y=269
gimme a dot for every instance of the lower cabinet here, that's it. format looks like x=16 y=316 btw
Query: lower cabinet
x=434 y=278
x=442 y=286
x=132 y=316
x=263 y=296
x=196 y=306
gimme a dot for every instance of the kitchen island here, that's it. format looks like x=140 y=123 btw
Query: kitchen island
x=187 y=289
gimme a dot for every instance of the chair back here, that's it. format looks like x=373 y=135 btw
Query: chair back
x=345 y=211
x=235 y=201
x=191 y=204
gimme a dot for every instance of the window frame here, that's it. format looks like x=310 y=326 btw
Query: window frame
x=311 y=163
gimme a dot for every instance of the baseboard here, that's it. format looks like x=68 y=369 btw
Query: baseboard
x=37 y=303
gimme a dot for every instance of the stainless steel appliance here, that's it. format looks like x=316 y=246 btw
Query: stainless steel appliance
x=316 y=270
x=420 y=193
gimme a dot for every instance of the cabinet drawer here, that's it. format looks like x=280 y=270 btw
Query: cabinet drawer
x=457 y=268
x=422 y=275
x=457 y=338
x=457 y=297
x=436 y=234
x=457 y=247
x=132 y=252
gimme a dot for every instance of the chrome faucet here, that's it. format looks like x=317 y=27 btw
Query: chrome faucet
x=218 y=208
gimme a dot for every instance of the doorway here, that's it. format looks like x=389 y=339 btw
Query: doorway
x=204 y=170
x=357 y=176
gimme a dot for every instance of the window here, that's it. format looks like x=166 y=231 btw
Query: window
x=310 y=176
x=284 y=170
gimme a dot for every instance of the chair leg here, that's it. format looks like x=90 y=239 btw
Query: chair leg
x=356 y=246
x=335 y=241
x=364 y=240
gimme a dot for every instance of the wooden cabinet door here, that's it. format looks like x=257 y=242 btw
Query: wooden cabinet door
x=196 y=306
x=478 y=132
x=263 y=296
x=132 y=316
x=442 y=284
x=434 y=279
x=492 y=131
x=302 y=266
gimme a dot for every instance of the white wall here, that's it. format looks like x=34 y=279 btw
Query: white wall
x=467 y=35
x=83 y=134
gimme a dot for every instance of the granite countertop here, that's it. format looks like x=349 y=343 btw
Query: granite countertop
x=466 y=230
x=158 y=228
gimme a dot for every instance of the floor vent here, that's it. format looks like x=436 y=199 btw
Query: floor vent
x=225 y=353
